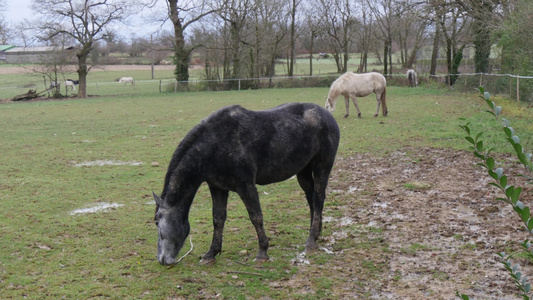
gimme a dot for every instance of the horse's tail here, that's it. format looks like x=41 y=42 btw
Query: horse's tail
x=384 y=109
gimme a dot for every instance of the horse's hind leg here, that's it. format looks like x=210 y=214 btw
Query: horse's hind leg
x=320 y=175
x=220 y=202
x=378 y=99
x=354 y=100
x=249 y=196
x=305 y=179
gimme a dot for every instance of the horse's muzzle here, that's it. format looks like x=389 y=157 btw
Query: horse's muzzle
x=166 y=260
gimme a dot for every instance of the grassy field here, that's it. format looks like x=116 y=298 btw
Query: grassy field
x=61 y=156
x=103 y=80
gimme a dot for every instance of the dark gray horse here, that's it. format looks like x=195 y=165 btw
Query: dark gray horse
x=233 y=150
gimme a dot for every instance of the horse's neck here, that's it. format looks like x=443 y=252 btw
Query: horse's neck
x=334 y=94
x=181 y=187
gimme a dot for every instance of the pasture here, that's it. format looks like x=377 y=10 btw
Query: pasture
x=407 y=213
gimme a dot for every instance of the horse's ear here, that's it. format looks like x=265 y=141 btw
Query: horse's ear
x=158 y=200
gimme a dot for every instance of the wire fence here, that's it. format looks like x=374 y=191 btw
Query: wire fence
x=515 y=87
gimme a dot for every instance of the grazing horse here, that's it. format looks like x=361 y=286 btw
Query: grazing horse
x=71 y=83
x=352 y=85
x=125 y=80
x=412 y=78
x=233 y=150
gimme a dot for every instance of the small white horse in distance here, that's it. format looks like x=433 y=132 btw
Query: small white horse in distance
x=352 y=85
x=71 y=83
x=126 y=80
x=412 y=78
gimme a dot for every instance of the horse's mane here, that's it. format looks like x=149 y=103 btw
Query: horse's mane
x=183 y=147
x=338 y=85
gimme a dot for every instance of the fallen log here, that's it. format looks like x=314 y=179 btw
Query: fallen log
x=31 y=94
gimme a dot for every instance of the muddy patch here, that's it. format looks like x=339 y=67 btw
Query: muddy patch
x=439 y=222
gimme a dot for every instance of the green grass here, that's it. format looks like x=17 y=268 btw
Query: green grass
x=48 y=253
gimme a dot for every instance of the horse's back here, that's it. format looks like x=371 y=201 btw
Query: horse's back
x=273 y=144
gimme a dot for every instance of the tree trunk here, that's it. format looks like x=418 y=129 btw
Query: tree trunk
x=181 y=54
x=434 y=54
x=293 y=39
x=385 y=58
x=311 y=49
x=482 y=43
x=83 y=70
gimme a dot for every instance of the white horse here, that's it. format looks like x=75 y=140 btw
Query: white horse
x=125 y=80
x=352 y=85
x=412 y=78
x=71 y=83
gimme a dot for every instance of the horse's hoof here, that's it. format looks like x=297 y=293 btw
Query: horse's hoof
x=310 y=247
x=376 y=115
x=346 y=116
x=359 y=116
x=261 y=259
x=207 y=261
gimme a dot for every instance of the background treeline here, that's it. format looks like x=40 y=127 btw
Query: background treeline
x=233 y=39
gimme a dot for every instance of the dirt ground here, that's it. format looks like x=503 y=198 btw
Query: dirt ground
x=440 y=220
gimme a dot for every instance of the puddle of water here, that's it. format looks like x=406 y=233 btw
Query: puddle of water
x=380 y=204
x=100 y=207
x=100 y=163
x=344 y=221
x=300 y=259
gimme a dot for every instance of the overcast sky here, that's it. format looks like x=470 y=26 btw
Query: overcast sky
x=20 y=10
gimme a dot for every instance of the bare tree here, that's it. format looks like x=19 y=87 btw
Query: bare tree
x=183 y=14
x=453 y=22
x=365 y=36
x=412 y=32
x=484 y=18
x=384 y=11
x=293 y=8
x=4 y=26
x=311 y=31
x=85 y=21
x=339 y=25
x=234 y=13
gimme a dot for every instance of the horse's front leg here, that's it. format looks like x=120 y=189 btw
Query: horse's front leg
x=354 y=100
x=220 y=202
x=347 y=103
x=250 y=198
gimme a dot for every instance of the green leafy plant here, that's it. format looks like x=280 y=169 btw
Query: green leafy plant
x=511 y=193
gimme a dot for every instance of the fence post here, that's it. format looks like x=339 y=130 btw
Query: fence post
x=175 y=86
x=510 y=86
x=481 y=79
x=517 y=89
x=239 y=84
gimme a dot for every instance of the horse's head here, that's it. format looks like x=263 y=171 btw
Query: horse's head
x=172 y=229
x=330 y=106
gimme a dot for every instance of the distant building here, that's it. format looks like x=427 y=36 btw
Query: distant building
x=3 y=49
x=29 y=55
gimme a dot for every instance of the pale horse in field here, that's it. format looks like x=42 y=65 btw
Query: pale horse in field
x=412 y=78
x=71 y=83
x=126 y=80
x=352 y=85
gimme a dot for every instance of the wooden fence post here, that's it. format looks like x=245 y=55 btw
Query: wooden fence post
x=517 y=89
